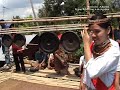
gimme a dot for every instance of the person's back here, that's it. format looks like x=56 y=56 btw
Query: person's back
x=40 y=56
x=59 y=62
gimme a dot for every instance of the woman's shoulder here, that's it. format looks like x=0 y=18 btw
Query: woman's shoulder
x=115 y=49
x=114 y=43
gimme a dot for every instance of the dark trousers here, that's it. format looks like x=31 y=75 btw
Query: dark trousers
x=2 y=63
x=18 y=59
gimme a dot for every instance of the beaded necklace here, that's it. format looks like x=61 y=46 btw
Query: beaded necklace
x=98 y=50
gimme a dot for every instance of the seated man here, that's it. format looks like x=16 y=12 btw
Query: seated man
x=6 y=43
x=41 y=59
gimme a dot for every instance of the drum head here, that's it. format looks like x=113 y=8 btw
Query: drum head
x=21 y=38
x=70 y=41
x=49 y=42
x=7 y=40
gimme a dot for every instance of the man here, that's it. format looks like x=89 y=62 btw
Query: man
x=6 y=43
x=17 y=47
x=41 y=59
x=2 y=57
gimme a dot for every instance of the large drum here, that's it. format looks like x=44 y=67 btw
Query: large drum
x=19 y=39
x=7 y=40
x=49 y=42
x=70 y=41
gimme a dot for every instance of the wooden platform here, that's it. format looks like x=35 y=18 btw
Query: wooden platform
x=44 y=77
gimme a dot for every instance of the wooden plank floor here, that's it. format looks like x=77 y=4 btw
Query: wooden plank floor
x=44 y=77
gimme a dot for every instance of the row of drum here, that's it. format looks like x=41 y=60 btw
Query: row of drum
x=49 y=42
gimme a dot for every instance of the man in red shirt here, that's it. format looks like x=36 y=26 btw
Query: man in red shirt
x=18 y=42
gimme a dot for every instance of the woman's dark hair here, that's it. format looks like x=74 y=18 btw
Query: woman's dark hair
x=105 y=25
x=99 y=16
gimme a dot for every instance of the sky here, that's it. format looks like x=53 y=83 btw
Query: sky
x=22 y=8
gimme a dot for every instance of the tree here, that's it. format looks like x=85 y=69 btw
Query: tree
x=111 y=5
x=42 y=12
x=72 y=7
x=54 y=8
x=29 y=17
x=16 y=17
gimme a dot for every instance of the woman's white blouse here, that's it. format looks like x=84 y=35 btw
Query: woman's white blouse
x=103 y=66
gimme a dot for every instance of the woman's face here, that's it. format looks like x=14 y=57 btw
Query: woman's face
x=98 y=34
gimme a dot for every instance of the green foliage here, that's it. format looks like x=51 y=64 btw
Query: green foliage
x=16 y=17
x=53 y=8
x=74 y=7
x=29 y=17
x=80 y=51
x=114 y=23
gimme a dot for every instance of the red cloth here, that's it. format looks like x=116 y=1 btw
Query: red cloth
x=59 y=36
x=91 y=46
x=16 y=49
x=99 y=85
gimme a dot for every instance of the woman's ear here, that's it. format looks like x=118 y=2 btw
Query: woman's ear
x=108 y=30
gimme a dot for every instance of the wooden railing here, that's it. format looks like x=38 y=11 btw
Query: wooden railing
x=50 y=27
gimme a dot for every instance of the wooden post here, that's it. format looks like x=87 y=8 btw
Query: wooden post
x=88 y=7
x=33 y=9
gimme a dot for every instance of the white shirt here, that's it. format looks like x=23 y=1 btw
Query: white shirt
x=103 y=66
x=2 y=56
x=117 y=45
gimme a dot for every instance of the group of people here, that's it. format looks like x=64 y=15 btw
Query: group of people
x=11 y=47
x=14 y=46
x=57 y=61
x=101 y=56
x=101 y=64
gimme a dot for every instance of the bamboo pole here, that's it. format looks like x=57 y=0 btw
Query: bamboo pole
x=88 y=7
x=53 y=20
x=44 y=28
x=44 y=20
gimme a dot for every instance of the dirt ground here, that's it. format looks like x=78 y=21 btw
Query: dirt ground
x=12 y=84
x=40 y=80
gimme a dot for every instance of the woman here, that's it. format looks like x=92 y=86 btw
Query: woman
x=103 y=56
